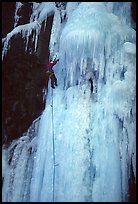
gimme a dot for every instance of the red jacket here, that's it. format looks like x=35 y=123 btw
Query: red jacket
x=51 y=64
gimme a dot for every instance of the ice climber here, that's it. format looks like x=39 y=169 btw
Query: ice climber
x=50 y=73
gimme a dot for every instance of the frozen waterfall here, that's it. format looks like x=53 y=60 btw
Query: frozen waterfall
x=82 y=147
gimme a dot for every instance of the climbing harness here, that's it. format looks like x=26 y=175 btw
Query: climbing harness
x=50 y=73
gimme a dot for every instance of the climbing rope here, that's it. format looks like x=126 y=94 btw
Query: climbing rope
x=53 y=144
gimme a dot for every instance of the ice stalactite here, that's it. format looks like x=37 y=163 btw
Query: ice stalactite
x=17 y=17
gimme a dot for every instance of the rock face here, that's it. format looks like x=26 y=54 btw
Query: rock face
x=23 y=81
x=133 y=9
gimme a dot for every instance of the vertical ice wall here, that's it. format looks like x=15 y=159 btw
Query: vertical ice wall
x=86 y=136
x=93 y=127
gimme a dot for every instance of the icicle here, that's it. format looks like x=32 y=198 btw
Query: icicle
x=5 y=47
x=36 y=38
x=16 y=16
x=27 y=39
x=34 y=12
